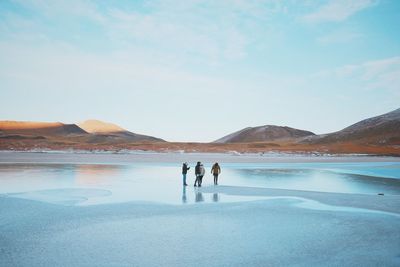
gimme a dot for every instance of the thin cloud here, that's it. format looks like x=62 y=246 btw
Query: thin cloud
x=382 y=74
x=338 y=10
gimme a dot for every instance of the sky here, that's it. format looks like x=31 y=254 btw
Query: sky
x=197 y=70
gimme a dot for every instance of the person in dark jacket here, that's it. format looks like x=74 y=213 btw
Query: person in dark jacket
x=185 y=169
x=216 y=170
x=197 y=172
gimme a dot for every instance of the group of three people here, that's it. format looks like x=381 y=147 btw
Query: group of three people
x=199 y=171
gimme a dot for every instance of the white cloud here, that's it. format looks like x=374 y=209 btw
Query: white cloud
x=383 y=74
x=338 y=10
x=158 y=31
x=215 y=31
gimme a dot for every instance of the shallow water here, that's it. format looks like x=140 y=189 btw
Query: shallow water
x=88 y=184
x=362 y=178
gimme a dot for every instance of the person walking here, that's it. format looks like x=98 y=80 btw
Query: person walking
x=197 y=173
x=202 y=172
x=216 y=170
x=185 y=169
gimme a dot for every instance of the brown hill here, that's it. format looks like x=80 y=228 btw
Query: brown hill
x=379 y=130
x=109 y=132
x=96 y=126
x=39 y=128
x=267 y=133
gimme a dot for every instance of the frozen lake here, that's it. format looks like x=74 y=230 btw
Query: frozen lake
x=132 y=210
x=86 y=184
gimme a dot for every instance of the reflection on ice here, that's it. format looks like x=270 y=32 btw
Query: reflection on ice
x=199 y=196
x=215 y=197
x=184 y=197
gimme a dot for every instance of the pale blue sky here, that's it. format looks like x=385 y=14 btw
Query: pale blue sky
x=198 y=70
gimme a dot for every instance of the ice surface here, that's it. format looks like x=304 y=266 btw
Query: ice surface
x=65 y=196
x=257 y=233
x=90 y=210
x=74 y=184
x=315 y=205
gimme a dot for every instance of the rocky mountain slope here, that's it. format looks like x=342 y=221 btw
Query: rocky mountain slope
x=379 y=130
x=267 y=133
x=105 y=131
x=39 y=128
x=91 y=132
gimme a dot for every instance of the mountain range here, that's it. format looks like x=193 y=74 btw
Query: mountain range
x=379 y=130
x=90 y=131
x=26 y=128
x=376 y=135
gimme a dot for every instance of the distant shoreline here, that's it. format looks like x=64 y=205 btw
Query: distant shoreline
x=85 y=157
x=62 y=146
